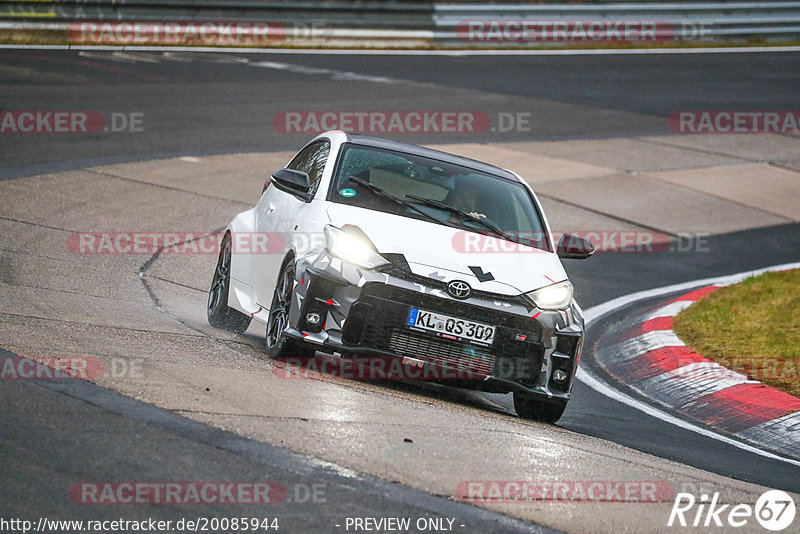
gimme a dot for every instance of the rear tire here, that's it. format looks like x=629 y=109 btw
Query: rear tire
x=278 y=344
x=529 y=408
x=220 y=315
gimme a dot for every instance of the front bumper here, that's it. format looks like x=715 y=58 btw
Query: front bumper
x=365 y=313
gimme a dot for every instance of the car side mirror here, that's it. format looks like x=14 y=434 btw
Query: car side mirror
x=294 y=182
x=572 y=247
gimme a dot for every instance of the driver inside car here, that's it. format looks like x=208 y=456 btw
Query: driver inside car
x=465 y=199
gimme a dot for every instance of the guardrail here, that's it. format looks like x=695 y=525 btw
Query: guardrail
x=380 y=15
x=347 y=23
x=713 y=21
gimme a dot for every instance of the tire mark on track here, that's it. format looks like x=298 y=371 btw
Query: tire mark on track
x=161 y=186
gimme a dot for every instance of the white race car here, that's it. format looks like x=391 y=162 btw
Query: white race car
x=367 y=248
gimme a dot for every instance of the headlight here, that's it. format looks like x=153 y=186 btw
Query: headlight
x=352 y=246
x=552 y=297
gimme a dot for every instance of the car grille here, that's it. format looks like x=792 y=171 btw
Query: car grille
x=379 y=322
x=474 y=360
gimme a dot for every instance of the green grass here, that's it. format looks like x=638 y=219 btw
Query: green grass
x=752 y=327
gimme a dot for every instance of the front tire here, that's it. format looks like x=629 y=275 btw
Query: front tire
x=278 y=344
x=528 y=407
x=220 y=315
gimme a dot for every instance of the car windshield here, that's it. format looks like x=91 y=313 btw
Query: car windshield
x=436 y=191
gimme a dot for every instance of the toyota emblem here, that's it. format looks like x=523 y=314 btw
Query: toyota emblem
x=459 y=289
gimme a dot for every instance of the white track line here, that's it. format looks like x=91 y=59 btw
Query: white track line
x=597 y=384
x=413 y=52
x=601 y=387
x=595 y=312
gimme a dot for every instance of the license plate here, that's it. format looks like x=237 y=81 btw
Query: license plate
x=451 y=327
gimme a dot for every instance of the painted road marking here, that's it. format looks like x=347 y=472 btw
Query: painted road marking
x=605 y=389
x=336 y=75
x=768 y=432
x=640 y=344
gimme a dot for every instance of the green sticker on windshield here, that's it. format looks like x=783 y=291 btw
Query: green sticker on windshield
x=347 y=192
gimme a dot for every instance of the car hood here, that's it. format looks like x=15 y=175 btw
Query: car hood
x=440 y=252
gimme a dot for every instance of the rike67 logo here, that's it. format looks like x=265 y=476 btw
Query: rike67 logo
x=774 y=510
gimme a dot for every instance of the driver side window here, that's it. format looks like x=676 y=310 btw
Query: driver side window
x=311 y=160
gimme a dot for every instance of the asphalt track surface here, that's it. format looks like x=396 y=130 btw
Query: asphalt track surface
x=214 y=103
x=203 y=104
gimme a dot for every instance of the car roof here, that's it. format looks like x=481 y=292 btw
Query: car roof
x=416 y=150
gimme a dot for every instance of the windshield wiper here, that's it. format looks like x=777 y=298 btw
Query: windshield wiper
x=464 y=217
x=381 y=193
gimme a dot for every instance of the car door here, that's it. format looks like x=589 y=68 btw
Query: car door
x=276 y=214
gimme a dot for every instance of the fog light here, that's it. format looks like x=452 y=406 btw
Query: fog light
x=559 y=375
x=313 y=318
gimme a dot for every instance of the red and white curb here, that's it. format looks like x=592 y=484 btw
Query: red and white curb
x=655 y=363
